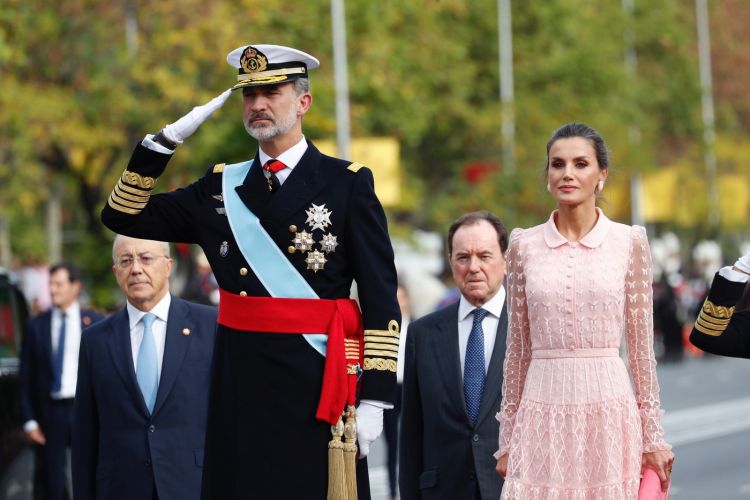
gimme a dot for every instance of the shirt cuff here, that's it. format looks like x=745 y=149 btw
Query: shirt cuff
x=155 y=146
x=732 y=275
x=379 y=404
x=30 y=425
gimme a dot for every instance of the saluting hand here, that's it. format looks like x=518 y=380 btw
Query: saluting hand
x=183 y=128
x=743 y=264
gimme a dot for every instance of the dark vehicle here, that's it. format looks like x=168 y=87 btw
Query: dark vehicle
x=13 y=313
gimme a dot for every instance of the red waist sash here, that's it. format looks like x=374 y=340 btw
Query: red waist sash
x=340 y=319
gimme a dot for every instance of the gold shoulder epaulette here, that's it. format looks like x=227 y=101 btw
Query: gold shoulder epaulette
x=354 y=167
x=219 y=168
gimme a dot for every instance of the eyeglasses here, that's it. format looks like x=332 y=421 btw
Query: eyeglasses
x=146 y=260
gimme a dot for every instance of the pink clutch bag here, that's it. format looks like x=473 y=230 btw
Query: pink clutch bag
x=650 y=488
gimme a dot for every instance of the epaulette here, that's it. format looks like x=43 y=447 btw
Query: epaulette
x=354 y=167
x=219 y=168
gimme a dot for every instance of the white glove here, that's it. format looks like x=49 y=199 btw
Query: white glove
x=743 y=263
x=369 y=426
x=183 y=128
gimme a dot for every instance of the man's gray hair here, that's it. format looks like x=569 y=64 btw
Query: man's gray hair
x=164 y=245
x=301 y=86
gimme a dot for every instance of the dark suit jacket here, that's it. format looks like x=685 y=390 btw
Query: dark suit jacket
x=35 y=374
x=720 y=328
x=119 y=450
x=442 y=456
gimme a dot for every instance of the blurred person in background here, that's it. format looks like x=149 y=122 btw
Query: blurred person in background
x=201 y=287
x=48 y=376
x=723 y=325
x=453 y=374
x=571 y=424
x=143 y=387
x=391 y=418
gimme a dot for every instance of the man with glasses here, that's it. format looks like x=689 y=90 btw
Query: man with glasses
x=143 y=382
x=286 y=234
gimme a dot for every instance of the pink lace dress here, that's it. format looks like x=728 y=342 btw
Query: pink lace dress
x=573 y=424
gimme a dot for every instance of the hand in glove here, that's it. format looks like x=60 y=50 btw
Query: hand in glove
x=183 y=128
x=743 y=263
x=369 y=426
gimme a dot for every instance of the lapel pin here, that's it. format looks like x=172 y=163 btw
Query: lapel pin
x=186 y=331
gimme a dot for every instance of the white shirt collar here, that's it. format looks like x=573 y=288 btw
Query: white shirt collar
x=290 y=157
x=493 y=306
x=73 y=310
x=161 y=310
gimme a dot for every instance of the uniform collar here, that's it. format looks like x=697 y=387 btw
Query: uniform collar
x=290 y=157
x=592 y=239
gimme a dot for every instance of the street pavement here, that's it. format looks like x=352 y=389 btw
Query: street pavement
x=707 y=403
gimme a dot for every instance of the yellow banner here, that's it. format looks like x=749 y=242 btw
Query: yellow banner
x=379 y=154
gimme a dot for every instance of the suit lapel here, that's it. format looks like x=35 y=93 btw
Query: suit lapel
x=175 y=347
x=494 y=382
x=445 y=349
x=254 y=190
x=122 y=356
x=46 y=327
x=305 y=181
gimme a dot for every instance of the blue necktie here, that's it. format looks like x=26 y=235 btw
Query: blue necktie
x=474 y=375
x=146 y=370
x=58 y=360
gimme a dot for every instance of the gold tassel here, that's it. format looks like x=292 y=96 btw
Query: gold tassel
x=350 y=452
x=336 y=479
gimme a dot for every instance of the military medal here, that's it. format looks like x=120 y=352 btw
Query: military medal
x=303 y=241
x=318 y=216
x=328 y=243
x=315 y=260
x=224 y=249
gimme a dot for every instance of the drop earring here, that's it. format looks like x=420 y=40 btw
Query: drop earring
x=549 y=188
x=600 y=186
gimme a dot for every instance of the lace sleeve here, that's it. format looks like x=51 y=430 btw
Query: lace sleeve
x=640 y=340
x=518 y=351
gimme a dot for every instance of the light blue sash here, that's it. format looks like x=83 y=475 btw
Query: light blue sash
x=279 y=277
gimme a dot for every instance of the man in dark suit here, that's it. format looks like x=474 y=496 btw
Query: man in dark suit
x=453 y=374
x=143 y=382
x=49 y=366
x=723 y=325
x=286 y=234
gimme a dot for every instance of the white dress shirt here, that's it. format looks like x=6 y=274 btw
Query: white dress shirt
x=70 y=350
x=290 y=158
x=402 y=349
x=494 y=307
x=159 y=329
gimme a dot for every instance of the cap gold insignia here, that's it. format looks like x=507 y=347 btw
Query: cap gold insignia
x=253 y=61
x=186 y=331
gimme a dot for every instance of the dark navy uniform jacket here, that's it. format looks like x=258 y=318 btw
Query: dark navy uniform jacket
x=272 y=381
x=720 y=328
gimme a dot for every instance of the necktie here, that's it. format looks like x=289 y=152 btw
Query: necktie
x=269 y=169
x=59 y=353
x=146 y=368
x=474 y=375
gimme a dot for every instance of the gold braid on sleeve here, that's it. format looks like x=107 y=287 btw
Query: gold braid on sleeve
x=131 y=193
x=381 y=348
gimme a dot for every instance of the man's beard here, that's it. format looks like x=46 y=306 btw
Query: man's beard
x=276 y=129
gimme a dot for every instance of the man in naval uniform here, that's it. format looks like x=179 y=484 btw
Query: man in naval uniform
x=723 y=325
x=286 y=234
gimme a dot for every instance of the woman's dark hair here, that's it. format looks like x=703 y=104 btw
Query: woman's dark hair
x=583 y=131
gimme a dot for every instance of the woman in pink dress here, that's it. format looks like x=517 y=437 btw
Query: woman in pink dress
x=572 y=426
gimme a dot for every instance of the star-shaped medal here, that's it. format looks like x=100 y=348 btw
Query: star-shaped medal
x=315 y=260
x=318 y=216
x=328 y=243
x=303 y=241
